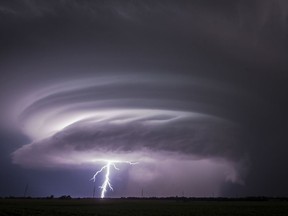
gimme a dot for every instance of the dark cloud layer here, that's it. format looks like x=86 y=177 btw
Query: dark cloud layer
x=195 y=78
x=187 y=137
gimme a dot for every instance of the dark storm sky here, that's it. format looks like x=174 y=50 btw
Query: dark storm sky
x=196 y=91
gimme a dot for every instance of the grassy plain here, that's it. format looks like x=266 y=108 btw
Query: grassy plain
x=139 y=207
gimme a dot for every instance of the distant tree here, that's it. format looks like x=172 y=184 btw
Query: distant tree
x=65 y=197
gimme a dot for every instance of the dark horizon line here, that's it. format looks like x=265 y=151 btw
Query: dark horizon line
x=244 y=198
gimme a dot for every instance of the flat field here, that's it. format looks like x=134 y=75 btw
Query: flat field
x=139 y=207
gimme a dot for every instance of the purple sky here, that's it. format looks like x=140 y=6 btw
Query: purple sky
x=194 y=91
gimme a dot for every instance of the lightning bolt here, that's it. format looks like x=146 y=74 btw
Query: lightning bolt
x=106 y=184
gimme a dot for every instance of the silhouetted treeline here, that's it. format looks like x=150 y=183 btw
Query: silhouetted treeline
x=259 y=198
x=251 y=198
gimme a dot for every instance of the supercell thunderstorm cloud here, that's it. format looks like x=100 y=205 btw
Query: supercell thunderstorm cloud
x=151 y=121
x=169 y=98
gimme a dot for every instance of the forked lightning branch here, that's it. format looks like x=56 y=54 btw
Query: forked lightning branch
x=106 y=184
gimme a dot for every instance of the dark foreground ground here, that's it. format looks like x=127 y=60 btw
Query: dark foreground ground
x=140 y=207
